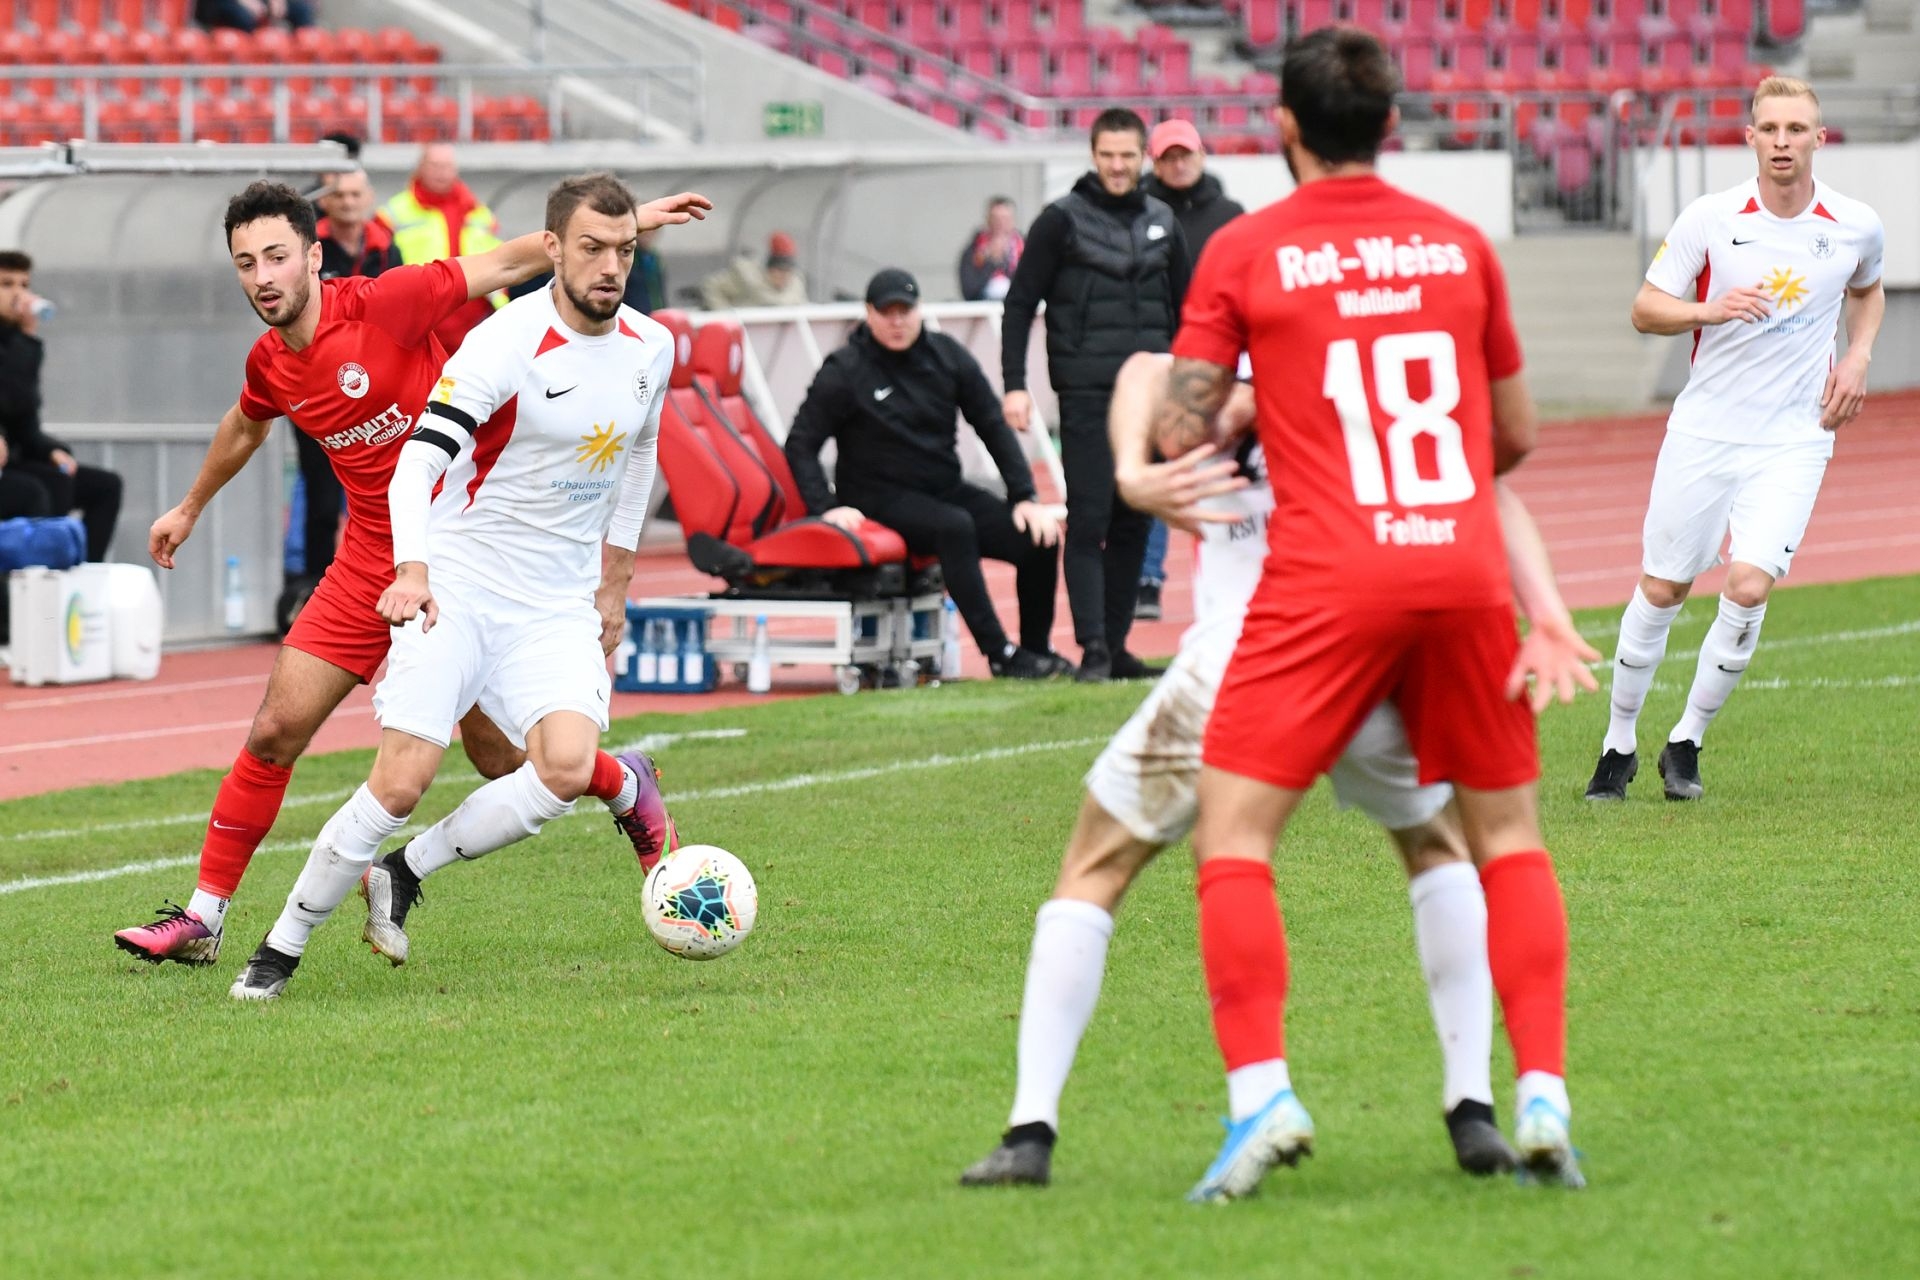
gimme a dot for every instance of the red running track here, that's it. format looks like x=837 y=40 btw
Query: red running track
x=1587 y=485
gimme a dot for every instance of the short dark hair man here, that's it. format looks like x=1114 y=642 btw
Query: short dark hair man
x=28 y=454
x=888 y=398
x=1111 y=264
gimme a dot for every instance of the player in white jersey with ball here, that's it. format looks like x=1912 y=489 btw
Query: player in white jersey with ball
x=1141 y=795
x=536 y=447
x=1761 y=275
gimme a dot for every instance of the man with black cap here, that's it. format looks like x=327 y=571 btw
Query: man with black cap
x=888 y=399
x=1111 y=264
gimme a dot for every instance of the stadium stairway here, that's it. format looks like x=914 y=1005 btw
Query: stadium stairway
x=1571 y=295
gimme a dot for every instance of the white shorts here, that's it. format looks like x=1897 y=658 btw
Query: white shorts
x=517 y=662
x=1147 y=775
x=1702 y=489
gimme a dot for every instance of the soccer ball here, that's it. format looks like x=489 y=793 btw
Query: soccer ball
x=700 y=902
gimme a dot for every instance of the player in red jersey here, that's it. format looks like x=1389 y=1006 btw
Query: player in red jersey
x=1389 y=395
x=350 y=361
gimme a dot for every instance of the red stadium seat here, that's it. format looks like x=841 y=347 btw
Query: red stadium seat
x=1785 y=21
x=739 y=506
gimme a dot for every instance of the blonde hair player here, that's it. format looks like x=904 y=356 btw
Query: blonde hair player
x=1760 y=274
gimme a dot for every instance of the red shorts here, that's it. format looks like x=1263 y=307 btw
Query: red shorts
x=338 y=623
x=1305 y=677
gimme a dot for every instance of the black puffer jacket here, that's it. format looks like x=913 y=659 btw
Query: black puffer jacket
x=892 y=415
x=1113 y=272
x=1202 y=208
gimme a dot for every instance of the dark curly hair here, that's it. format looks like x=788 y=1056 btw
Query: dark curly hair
x=265 y=199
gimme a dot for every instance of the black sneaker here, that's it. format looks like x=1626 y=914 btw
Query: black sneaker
x=1096 y=665
x=391 y=890
x=265 y=976
x=1477 y=1144
x=1021 y=664
x=1680 y=770
x=1054 y=664
x=1146 y=602
x=1024 y=1158
x=1612 y=774
x=1127 y=667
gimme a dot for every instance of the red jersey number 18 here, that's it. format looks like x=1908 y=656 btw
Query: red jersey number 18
x=1411 y=419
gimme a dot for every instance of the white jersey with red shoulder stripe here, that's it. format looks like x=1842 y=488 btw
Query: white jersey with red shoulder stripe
x=546 y=425
x=1760 y=383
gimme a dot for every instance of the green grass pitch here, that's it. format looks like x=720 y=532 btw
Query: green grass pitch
x=542 y=1092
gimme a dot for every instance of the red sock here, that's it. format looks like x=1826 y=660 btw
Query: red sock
x=1527 y=952
x=1243 y=945
x=243 y=812
x=609 y=779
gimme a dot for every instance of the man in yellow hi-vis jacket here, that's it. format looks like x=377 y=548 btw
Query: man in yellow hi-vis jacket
x=438 y=216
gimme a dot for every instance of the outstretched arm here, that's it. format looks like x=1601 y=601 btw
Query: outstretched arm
x=1172 y=491
x=515 y=261
x=1553 y=653
x=234 y=441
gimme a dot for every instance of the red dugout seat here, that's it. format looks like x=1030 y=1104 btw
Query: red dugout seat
x=734 y=494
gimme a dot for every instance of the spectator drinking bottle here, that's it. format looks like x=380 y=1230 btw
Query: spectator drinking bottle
x=760 y=665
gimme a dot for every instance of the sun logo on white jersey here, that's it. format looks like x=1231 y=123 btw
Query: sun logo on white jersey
x=599 y=449
x=1787 y=289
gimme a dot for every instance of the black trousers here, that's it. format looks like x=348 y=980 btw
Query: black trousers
x=22 y=495
x=961 y=526
x=94 y=490
x=324 y=496
x=1106 y=539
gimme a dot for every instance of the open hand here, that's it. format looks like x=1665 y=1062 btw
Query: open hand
x=1037 y=522
x=669 y=211
x=1174 y=491
x=1748 y=305
x=1554 y=657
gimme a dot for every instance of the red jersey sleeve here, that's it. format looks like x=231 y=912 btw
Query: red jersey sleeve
x=1213 y=323
x=407 y=302
x=1502 y=343
x=255 y=396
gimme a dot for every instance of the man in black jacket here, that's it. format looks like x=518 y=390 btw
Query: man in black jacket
x=28 y=453
x=1112 y=266
x=1181 y=179
x=888 y=400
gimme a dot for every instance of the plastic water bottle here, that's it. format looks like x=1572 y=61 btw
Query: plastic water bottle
x=236 y=596
x=949 y=640
x=649 y=670
x=693 y=658
x=760 y=664
x=669 y=652
x=623 y=653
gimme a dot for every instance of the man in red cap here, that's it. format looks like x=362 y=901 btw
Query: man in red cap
x=1201 y=206
x=746 y=283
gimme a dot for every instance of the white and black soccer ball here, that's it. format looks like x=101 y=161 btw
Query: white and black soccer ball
x=700 y=902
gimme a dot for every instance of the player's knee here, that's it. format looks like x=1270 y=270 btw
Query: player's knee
x=493 y=759
x=1101 y=871
x=278 y=738
x=1662 y=594
x=1431 y=844
x=1748 y=590
x=567 y=776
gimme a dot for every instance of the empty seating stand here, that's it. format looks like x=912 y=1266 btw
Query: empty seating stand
x=185 y=94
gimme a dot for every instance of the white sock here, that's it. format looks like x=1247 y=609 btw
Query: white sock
x=1068 y=961
x=341 y=854
x=211 y=910
x=1253 y=1086
x=629 y=791
x=1450 y=933
x=1636 y=656
x=502 y=812
x=1542 y=1084
x=1724 y=656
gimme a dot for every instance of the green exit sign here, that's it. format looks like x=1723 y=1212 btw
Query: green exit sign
x=793 y=119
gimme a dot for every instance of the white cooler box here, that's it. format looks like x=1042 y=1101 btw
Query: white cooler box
x=91 y=622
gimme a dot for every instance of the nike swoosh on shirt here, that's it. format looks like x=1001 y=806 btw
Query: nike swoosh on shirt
x=295 y=407
x=555 y=395
x=883 y=393
x=1738 y=243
